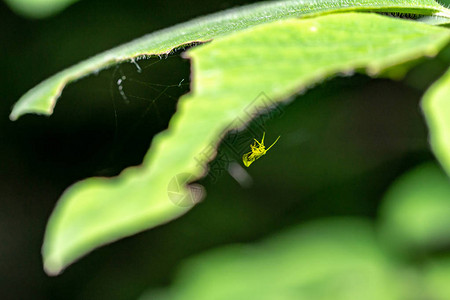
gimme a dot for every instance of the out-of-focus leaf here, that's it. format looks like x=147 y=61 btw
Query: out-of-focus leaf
x=38 y=8
x=416 y=210
x=437 y=278
x=436 y=106
x=42 y=98
x=278 y=59
x=334 y=259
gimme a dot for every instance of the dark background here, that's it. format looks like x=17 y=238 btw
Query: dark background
x=342 y=145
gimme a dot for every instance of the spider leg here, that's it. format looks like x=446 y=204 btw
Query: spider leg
x=258 y=143
x=273 y=143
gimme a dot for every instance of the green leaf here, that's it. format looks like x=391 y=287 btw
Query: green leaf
x=278 y=59
x=42 y=98
x=335 y=259
x=436 y=107
x=38 y=8
x=415 y=215
x=437 y=277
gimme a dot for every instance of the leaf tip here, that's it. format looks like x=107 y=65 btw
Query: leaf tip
x=13 y=116
x=53 y=265
x=19 y=111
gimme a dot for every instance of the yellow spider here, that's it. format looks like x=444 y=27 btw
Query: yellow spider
x=258 y=150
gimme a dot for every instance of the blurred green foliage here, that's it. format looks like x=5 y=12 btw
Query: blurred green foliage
x=436 y=107
x=416 y=213
x=437 y=277
x=38 y=8
x=339 y=258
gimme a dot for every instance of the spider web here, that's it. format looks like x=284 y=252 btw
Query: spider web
x=137 y=88
x=143 y=96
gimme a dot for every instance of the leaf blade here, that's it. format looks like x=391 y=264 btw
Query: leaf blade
x=42 y=98
x=415 y=210
x=436 y=108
